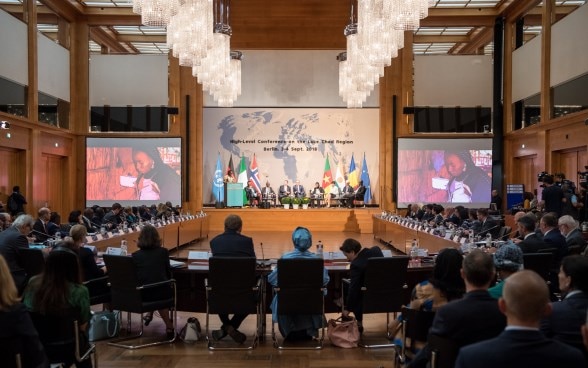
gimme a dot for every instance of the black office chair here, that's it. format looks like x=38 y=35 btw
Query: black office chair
x=232 y=287
x=300 y=291
x=443 y=351
x=130 y=296
x=383 y=290
x=504 y=233
x=62 y=339
x=415 y=327
x=11 y=351
x=32 y=261
x=99 y=290
x=540 y=263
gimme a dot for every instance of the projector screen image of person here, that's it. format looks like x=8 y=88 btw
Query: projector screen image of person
x=133 y=171
x=445 y=171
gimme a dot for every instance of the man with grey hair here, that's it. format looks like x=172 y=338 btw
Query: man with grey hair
x=13 y=239
x=525 y=302
x=568 y=227
x=5 y=221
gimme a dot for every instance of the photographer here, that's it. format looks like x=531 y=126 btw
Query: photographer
x=552 y=196
x=571 y=205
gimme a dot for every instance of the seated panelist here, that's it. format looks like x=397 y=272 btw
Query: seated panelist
x=334 y=192
x=298 y=189
x=347 y=195
x=284 y=191
x=252 y=195
x=317 y=194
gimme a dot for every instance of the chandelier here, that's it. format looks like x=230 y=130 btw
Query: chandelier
x=374 y=35
x=199 y=34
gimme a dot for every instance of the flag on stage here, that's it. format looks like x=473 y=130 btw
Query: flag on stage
x=365 y=177
x=242 y=178
x=217 y=182
x=230 y=175
x=327 y=176
x=353 y=176
x=255 y=175
x=339 y=178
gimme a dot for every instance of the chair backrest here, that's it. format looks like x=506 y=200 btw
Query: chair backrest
x=417 y=323
x=539 y=262
x=443 y=351
x=232 y=285
x=300 y=283
x=504 y=232
x=31 y=260
x=123 y=280
x=57 y=334
x=11 y=351
x=384 y=284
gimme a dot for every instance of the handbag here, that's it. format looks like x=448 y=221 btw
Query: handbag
x=343 y=333
x=104 y=325
x=191 y=332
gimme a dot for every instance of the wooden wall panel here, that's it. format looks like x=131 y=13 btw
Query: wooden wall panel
x=55 y=190
x=525 y=173
x=12 y=171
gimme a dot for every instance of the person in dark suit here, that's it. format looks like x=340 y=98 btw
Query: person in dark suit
x=298 y=190
x=473 y=318
x=152 y=262
x=358 y=257
x=284 y=191
x=16 y=202
x=112 y=218
x=90 y=269
x=569 y=228
x=414 y=212
x=489 y=226
x=11 y=240
x=525 y=301
x=232 y=244
x=347 y=195
x=569 y=314
x=552 y=237
x=41 y=225
x=268 y=195
x=531 y=242
x=552 y=196
x=360 y=191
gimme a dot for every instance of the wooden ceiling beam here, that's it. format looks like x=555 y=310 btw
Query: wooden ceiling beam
x=440 y=39
x=65 y=9
x=142 y=38
x=103 y=38
x=519 y=8
x=477 y=42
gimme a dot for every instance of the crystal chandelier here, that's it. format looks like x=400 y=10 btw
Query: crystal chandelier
x=156 y=13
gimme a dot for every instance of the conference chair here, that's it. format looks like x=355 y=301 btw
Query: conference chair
x=300 y=292
x=32 y=261
x=232 y=287
x=443 y=351
x=415 y=325
x=99 y=290
x=383 y=291
x=539 y=262
x=128 y=295
x=504 y=233
x=62 y=339
x=11 y=351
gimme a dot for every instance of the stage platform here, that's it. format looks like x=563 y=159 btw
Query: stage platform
x=358 y=219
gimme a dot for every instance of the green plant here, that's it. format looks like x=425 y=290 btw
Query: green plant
x=305 y=200
x=286 y=200
x=296 y=200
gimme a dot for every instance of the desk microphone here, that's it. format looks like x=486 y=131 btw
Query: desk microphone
x=262 y=254
x=488 y=230
x=49 y=237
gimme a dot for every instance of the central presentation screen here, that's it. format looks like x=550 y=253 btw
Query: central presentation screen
x=449 y=172
x=133 y=171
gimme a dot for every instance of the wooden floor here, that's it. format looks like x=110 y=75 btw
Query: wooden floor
x=181 y=354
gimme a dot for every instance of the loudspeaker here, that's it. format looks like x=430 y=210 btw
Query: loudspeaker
x=172 y=110
x=408 y=110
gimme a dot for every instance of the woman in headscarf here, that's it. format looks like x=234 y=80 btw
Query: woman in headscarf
x=298 y=327
x=468 y=183
x=155 y=179
x=508 y=259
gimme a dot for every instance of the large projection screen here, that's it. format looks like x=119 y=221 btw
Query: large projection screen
x=133 y=171
x=291 y=144
x=449 y=172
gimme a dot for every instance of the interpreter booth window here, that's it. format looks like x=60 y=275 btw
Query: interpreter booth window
x=452 y=119
x=527 y=112
x=129 y=119
x=53 y=111
x=13 y=97
x=570 y=96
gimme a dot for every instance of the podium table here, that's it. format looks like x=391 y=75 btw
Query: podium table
x=234 y=195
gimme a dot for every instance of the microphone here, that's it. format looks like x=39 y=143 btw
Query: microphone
x=262 y=254
x=42 y=234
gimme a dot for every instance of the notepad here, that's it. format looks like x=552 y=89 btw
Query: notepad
x=176 y=264
x=193 y=254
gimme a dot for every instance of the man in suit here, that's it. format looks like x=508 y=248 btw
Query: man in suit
x=569 y=228
x=298 y=190
x=489 y=226
x=231 y=244
x=40 y=226
x=13 y=239
x=414 y=212
x=347 y=195
x=552 y=236
x=358 y=257
x=525 y=301
x=267 y=194
x=16 y=202
x=552 y=196
x=473 y=318
x=360 y=191
x=531 y=242
x=284 y=191
x=112 y=218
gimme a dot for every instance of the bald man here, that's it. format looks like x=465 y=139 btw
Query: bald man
x=525 y=301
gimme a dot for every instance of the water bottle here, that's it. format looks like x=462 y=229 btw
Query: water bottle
x=488 y=240
x=319 y=249
x=414 y=253
x=58 y=236
x=125 y=227
x=123 y=247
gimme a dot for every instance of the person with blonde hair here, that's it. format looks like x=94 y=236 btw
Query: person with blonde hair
x=16 y=322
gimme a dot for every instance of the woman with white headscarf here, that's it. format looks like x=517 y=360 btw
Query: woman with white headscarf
x=303 y=326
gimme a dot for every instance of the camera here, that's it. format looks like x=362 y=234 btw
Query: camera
x=541 y=176
x=583 y=177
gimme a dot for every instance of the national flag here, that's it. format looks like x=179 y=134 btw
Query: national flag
x=242 y=178
x=339 y=178
x=365 y=177
x=217 y=182
x=255 y=175
x=327 y=176
x=231 y=170
x=353 y=176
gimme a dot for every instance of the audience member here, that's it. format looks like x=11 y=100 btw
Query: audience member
x=569 y=314
x=152 y=262
x=508 y=259
x=87 y=220
x=98 y=216
x=232 y=243
x=473 y=318
x=129 y=215
x=515 y=234
x=40 y=226
x=88 y=265
x=552 y=237
x=54 y=223
x=496 y=199
x=5 y=221
x=11 y=240
x=358 y=257
x=531 y=242
x=568 y=227
x=16 y=323
x=472 y=224
x=428 y=214
x=297 y=327
x=74 y=218
x=16 y=201
x=112 y=218
x=414 y=212
x=437 y=215
x=489 y=226
x=525 y=302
